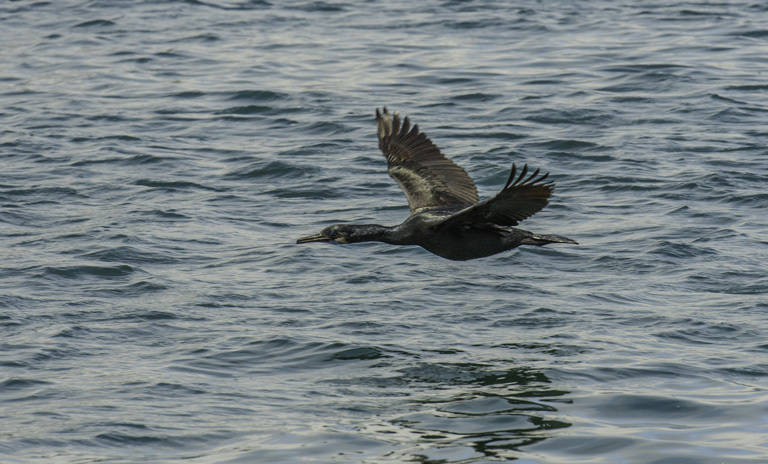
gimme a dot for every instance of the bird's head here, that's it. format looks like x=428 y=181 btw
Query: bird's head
x=339 y=233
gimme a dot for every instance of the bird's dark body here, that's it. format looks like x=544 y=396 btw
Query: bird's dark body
x=446 y=217
x=463 y=243
x=455 y=243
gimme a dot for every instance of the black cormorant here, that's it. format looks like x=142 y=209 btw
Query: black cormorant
x=447 y=217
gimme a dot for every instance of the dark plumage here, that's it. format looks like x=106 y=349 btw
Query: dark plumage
x=446 y=217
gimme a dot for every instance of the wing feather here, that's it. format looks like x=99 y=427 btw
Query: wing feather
x=521 y=198
x=424 y=174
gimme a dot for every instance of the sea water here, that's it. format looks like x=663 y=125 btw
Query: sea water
x=159 y=159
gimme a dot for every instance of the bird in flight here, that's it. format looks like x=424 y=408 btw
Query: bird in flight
x=447 y=217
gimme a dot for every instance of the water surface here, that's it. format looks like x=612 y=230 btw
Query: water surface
x=159 y=160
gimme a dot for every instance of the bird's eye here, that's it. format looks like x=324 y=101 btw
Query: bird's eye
x=332 y=233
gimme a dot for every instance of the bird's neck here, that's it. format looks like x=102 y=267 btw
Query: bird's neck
x=376 y=233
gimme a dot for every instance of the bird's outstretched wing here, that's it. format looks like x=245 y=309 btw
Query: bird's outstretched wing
x=426 y=176
x=521 y=198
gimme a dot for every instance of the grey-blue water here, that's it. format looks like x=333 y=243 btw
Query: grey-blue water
x=159 y=159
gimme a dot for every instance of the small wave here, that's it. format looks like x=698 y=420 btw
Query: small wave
x=681 y=250
x=136 y=289
x=494 y=404
x=186 y=95
x=327 y=128
x=580 y=116
x=135 y=160
x=248 y=110
x=174 y=389
x=476 y=97
x=755 y=199
x=702 y=332
x=641 y=67
x=16 y=384
x=256 y=95
x=274 y=170
x=323 y=7
x=164 y=214
x=569 y=144
x=173 y=185
x=95 y=23
x=754 y=34
x=155 y=315
x=748 y=87
x=54 y=192
x=307 y=192
x=286 y=354
x=155 y=440
x=125 y=253
x=79 y=272
x=361 y=353
x=498 y=135
x=198 y=38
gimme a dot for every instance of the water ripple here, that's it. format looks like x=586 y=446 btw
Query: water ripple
x=159 y=163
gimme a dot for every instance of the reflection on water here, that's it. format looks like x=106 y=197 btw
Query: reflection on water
x=468 y=412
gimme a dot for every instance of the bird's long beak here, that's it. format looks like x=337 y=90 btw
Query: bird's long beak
x=314 y=238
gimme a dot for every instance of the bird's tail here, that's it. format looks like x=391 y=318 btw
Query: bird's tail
x=541 y=240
